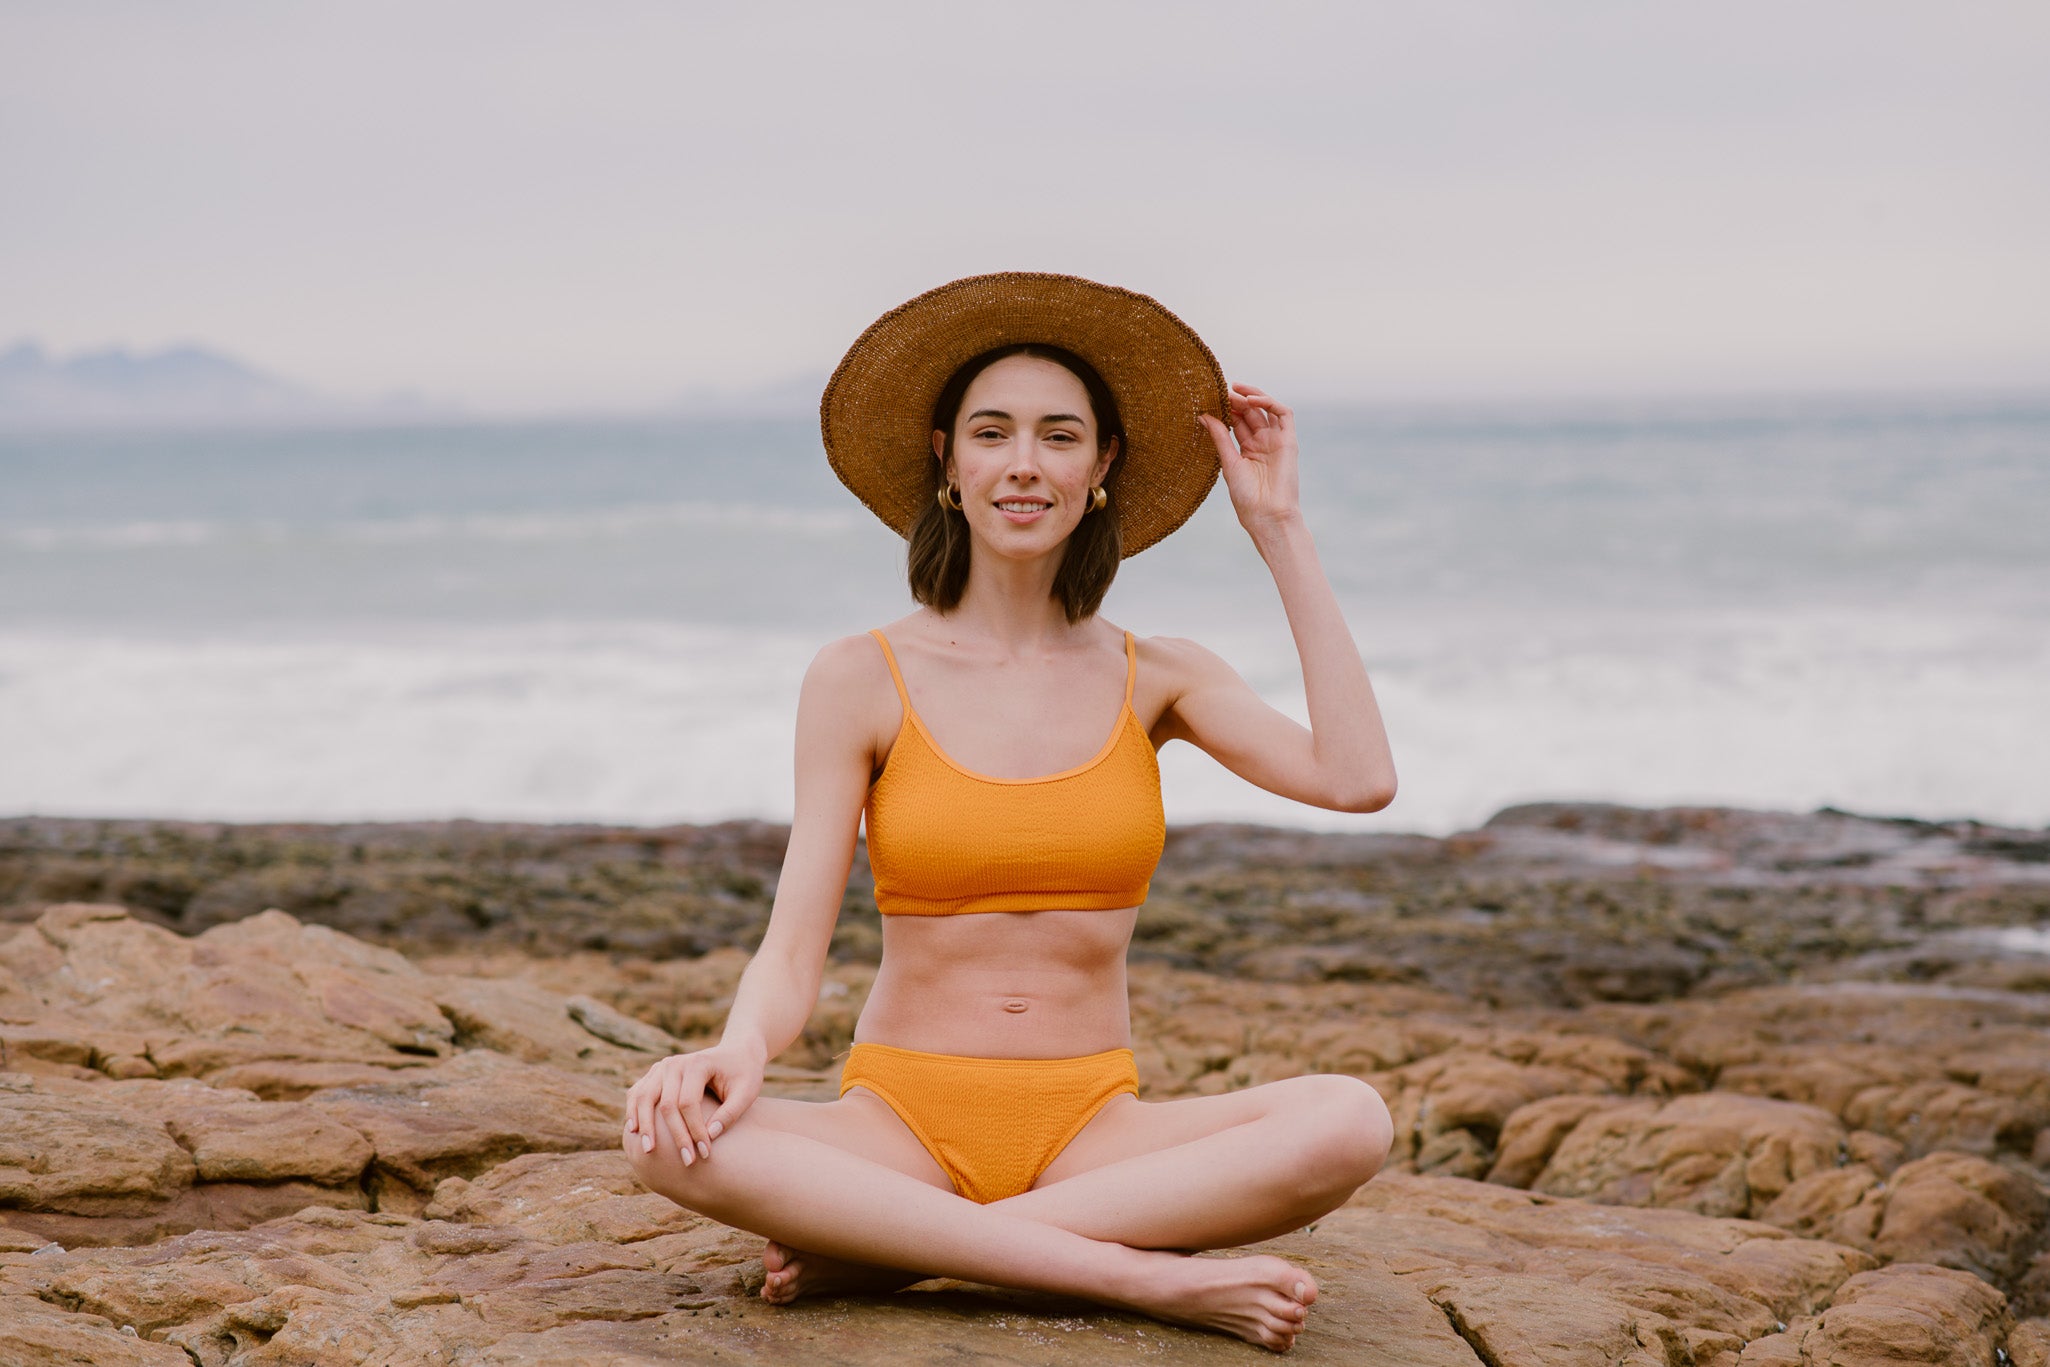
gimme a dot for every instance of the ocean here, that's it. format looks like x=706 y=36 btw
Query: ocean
x=1784 y=605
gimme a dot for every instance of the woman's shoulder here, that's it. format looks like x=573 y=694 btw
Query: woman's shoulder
x=848 y=662
x=1176 y=656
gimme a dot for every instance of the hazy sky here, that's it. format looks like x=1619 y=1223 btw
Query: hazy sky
x=537 y=206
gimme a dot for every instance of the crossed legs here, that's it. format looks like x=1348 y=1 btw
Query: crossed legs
x=845 y=1181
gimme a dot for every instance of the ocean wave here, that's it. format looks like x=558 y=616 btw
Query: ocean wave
x=587 y=524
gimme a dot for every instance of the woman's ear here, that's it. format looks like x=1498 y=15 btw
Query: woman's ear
x=939 y=450
x=1110 y=453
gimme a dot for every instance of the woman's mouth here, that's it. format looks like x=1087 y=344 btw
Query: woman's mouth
x=1023 y=510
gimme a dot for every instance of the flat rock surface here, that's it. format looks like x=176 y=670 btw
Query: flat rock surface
x=255 y=1138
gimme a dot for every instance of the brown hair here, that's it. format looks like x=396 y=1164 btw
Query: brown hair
x=938 y=560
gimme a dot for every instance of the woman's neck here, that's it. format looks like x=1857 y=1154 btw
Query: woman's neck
x=1011 y=604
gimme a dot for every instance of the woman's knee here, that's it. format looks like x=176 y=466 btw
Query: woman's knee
x=664 y=1171
x=1347 y=1129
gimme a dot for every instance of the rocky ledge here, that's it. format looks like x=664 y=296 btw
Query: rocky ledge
x=271 y=1141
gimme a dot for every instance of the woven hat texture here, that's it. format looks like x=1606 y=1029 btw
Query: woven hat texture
x=876 y=414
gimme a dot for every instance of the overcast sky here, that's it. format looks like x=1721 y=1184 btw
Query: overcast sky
x=531 y=207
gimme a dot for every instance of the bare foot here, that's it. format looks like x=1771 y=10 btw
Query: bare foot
x=793 y=1273
x=1260 y=1299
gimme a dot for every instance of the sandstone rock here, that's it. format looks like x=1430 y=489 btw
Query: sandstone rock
x=1525 y=1319
x=1840 y=1204
x=1902 y=1314
x=2029 y=1344
x=1960 y=1211
x=1429 y=1273
x=1715 y=1153
x=267 y=999
x=1532 y=1134
x=33 y=1334
x=1465 y=1089
x=1933 y=1114
x=83 y=1158
x=564 y=1198
x=302 y=1075
x=470 y=1114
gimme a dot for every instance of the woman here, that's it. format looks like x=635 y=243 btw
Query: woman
x=1027 y=431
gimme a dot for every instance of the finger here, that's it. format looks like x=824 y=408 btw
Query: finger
x=1221 y=438
x=731 y=1104
x=1258 y=398
x=695 y=1141
x=675 y=1086
x=644 y=1116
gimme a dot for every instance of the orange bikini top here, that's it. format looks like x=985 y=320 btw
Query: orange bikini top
x=943 y=839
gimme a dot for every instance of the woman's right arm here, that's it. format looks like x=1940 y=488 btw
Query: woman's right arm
x=836 y=731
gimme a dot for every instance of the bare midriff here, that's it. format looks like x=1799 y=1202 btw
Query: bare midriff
x=1002 y=984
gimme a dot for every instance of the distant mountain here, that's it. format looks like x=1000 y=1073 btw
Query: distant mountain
x=117 y=387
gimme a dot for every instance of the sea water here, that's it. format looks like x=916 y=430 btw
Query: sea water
x=1783 y=606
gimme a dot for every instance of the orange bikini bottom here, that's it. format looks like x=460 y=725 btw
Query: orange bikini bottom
x=992 y=1123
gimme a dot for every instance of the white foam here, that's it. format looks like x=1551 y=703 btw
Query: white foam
x=576 y=525
x=654 y=722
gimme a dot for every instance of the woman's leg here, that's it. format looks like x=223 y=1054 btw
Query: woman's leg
x=1267 y=1160
x=807 y=1193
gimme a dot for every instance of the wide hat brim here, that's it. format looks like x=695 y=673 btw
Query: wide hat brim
x=876 y=414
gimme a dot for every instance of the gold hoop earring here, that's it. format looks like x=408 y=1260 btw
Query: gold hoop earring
x=949 y=496
x=1098 y=497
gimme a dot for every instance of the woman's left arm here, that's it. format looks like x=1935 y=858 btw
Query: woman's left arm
x=1342 y=761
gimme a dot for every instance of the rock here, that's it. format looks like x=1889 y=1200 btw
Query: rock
x=82 y=1158
x=1960 y=1211
x=1840 y=1204
x=1907 y=1313
x=554 y=1258
x=269 y=1001
x=256 y=1089
x=1468 y=1089
x=2029 y=1344
x=33 y=1334
x=1929 y=1115
x=470 y=1114
x=1525 y=1319
x=1533 y=1132
x=1716 y=1154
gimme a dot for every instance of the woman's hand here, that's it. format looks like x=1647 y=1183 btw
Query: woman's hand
x=1258 y=452
x=669 y=1104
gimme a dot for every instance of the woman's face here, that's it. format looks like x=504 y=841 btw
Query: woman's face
x=1025 y=455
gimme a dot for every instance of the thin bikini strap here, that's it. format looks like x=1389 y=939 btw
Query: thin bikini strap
x=1131 y=667
x=890 y=658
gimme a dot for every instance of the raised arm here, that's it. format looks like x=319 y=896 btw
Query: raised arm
x=1342 y=760
x=835 y=754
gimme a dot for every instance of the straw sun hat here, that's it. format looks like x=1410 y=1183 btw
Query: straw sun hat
x=876 y=414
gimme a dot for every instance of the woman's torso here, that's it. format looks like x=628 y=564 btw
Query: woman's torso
x=989 y=753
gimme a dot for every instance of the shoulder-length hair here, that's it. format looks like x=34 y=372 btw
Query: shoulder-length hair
x=938 y=561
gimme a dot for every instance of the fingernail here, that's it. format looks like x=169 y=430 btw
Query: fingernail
x=704 y=1149
x=647 y=1143
x=688 y=1157
x=716 y=1128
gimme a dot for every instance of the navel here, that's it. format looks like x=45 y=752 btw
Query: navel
x=1016 y=1004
